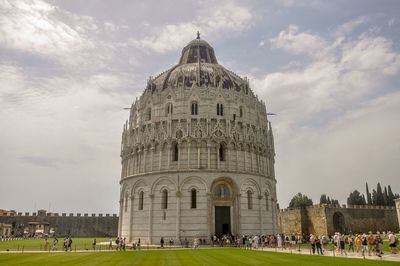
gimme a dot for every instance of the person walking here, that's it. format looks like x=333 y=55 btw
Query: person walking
x=319 y=245
x=378 y=245
x=364 y=241
x=350 y=241
x=312 y=242
x=371 y=243
x=55 y=244
x=162 y=242
x=393 y=242
x=70 y=244
x=46 y=244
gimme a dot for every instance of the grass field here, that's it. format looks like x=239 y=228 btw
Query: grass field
x=216 y=256
x=38 y=244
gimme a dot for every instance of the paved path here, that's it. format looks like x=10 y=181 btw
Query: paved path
x=386 y=257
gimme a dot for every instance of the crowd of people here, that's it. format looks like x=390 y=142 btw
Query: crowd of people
x=363 y=244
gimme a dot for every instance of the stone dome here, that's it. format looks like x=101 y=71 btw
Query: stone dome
x=198 y=66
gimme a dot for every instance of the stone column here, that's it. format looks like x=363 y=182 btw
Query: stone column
x=130 y=219
x=228 y=162
x=198 y=154
x=244 y=158
x=238 y=207
x=139 y=161
x=237 y=158
x=218 y=147
x=273 y=210
x=208 y=155
x=152 y=157
x=179 y=155
x=121 y=205
x=188 y=155
x=251 y=159
x=178 y=215
x=169 y=155
x=144 y=159
x=260 y=213
x=210 y=214
x=134 y=162
x=160 y=159
x=150 y=235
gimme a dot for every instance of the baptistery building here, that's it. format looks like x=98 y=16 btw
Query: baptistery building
x=197 y=155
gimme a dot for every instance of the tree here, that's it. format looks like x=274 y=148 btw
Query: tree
x=391 y=197
x=369 y=198
x=323 y=199
x=385 y=197
x=356 y=198
x=379 y=195
x=300 y=201
x=335 y=202
x=327 y=200
x=374 y=197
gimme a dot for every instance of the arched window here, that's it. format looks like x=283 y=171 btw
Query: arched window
x=241 y=111
x=175 y=152
x=194 y=108
x=141 y=197
x=221 y=152
x=193 y=197
x=164 y=199
x=266 y=202
x=220 y=109
x=222 y=191
x=249 y=199
x=148 y=114
x=169 y=108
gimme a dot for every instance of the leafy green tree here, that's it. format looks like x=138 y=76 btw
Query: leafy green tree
x=300 y=201
x=356 y=198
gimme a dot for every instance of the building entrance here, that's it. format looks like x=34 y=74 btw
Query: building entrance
x=222 y=220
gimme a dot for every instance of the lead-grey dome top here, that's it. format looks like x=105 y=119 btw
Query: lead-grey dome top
x=198 y=65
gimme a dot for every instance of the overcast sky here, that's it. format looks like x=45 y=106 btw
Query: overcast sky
x=330 y=69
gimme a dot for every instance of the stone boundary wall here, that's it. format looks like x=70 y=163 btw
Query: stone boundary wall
x=335 y=206
x=76 y=225
x=319 y=219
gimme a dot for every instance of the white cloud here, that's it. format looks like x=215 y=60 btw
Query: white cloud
x=331 y=124
x=359 y=146
x=213 y=19
x=350 y=26
x=302 y=3
x=297 y=42
x=33 y=26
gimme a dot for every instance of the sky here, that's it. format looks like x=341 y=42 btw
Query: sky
x=329 y=69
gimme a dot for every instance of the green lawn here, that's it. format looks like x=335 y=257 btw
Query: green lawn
x=216 y=256
x=38 y=244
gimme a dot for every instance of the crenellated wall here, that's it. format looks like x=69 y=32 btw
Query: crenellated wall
x=328 y=219
x=76 y=225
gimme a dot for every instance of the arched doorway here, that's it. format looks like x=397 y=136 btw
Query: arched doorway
x=339 y=224
x=224 y=207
